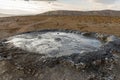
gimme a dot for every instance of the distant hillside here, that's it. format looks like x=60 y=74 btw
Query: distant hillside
x=4 y=15
x=99 y=13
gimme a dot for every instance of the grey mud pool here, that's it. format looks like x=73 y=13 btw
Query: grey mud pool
x=55 y=44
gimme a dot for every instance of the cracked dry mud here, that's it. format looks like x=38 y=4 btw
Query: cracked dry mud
x=21 y=56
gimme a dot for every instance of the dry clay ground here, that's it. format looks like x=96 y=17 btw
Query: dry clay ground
x=20 y=65
x=12 y=25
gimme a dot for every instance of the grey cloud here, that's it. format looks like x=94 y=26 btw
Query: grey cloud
x=105 y=1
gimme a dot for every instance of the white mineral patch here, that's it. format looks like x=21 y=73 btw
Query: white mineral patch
x=54 y=43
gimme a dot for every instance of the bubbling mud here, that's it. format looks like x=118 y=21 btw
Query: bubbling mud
x=55 y=43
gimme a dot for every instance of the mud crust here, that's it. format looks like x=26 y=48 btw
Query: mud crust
x=17 y=64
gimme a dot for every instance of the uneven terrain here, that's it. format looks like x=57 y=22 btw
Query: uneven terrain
x=102 y=24
x=17 y=64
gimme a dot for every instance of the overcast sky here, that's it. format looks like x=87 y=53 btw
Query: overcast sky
x=95 y=4
x=83 y=4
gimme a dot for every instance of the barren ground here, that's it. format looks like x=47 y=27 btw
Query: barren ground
x=12 y=25
x=16 y=64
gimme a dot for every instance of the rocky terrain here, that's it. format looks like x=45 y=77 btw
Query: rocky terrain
x=102 y=64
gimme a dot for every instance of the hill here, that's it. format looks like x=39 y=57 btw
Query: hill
x=99 y=13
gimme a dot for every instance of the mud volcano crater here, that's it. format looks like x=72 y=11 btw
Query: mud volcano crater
x=63 y=43
x=67 y=48
x=55 y=43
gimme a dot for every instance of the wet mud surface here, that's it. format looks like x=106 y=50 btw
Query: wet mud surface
x=102 y=63
x=55 y=43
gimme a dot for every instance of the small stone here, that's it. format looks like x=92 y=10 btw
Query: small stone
x=111 y=38
x=97 y=62
x=80 y=66
x=92 y=77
